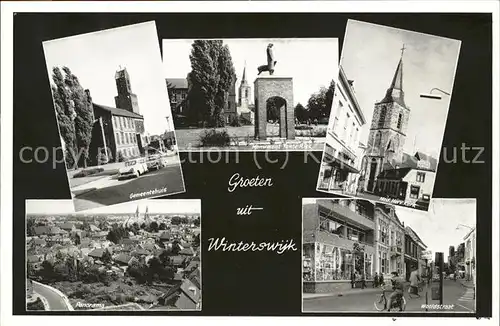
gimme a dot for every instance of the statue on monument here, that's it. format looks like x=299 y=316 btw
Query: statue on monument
x=270 y=61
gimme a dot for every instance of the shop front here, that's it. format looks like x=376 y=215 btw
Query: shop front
x=331 y=267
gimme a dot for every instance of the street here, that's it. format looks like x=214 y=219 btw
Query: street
x=55 y=301
x=111 y=191
x=455 y=295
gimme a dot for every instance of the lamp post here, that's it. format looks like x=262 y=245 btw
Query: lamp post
x=432 y=96
x=465 y=226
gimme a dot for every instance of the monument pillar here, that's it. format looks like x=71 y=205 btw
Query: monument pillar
x=266 y=87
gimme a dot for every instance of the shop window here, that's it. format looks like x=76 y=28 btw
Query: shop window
x=414 y=192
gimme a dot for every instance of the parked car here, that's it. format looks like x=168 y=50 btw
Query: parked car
x=155 y=162
x=133 y=168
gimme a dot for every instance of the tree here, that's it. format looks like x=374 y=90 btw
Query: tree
x=197 y=221
x=162 y=226
x=30 y=227
x=114 y=236
x=301 y=113
x=65 y=115
x=153 y=226
x=320 y=103
x=84 y=120
x=106 y=257
x=210 y=79
x=176 y=220
x=196 y=242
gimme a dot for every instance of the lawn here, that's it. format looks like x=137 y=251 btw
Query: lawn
x=189 y=138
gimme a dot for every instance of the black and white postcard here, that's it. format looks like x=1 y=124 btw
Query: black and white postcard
x=112 y=110
x=359 y=256
x=132 y=256
x=251 y=94
x=389 y=115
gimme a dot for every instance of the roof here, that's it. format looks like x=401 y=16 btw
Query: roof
x=165 y=235
x=187 y=251
x=414 y=235
x=122 y=258
x=66 y=226
x=395 y=91
x=177 y=83
x=98 y=252
x=350 y=92
x=394 y=174
x=177 y=260
x=117 y=111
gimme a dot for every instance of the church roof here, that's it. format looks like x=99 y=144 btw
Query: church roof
x=244 y=78
x=395 y=91
x=117 y=111
x=178 y=83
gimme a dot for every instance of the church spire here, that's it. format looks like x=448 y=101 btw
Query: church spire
x=244 y=78
x=395 y=91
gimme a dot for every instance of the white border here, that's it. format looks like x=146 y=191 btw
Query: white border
x=376 y=294
x=379 y=200
x=165 y=202
x=270 y=149
x=7 y=9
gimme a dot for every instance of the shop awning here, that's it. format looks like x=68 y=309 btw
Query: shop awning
x=334 y=161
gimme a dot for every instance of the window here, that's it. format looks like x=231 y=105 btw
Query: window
x=122 y=138
x=336 y=120
x=117 y=136
x=351 y=139
x=113 y=121
x=384 y=265
x=414 y=192
x=330 y=226
x=378 y=139
x=121 y=122
x=344 y=132
x=400 y=121
x=381 y=120
x=354 y=235
x=420 y=176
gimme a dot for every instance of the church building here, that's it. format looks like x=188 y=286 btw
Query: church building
x=384 y=156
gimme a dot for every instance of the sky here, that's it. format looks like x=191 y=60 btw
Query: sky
x=155 y=206
x=370 y=56
x=439 y=228
x=95 y=57
x=311 y=62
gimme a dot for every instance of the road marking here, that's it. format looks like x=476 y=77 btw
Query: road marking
x=464 y=307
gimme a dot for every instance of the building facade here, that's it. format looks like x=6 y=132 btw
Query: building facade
x=389 y=241
x=338 y=168
x=118 y=133
x=414 y=248
x=177 y=93
x=338 y=241
x=470 y=256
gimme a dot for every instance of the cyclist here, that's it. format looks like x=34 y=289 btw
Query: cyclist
x=397 y=287
x=414 y=281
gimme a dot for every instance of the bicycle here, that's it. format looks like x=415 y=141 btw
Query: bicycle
x=414 y=295
x=381 y=302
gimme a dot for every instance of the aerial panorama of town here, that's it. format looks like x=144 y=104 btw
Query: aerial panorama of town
x=113 y=262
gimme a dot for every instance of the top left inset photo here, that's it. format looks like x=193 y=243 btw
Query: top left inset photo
x=113 y=114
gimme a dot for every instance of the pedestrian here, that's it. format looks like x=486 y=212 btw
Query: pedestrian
x=375 y=280
x=353 y=280
x=363 y=280
x=414 y=281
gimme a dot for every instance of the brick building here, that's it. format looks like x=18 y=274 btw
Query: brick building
x=118 y=132
x=389 y=241
x=414 y=248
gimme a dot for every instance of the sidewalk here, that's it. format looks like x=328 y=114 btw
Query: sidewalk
x=306 y=296
x=467 y=284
